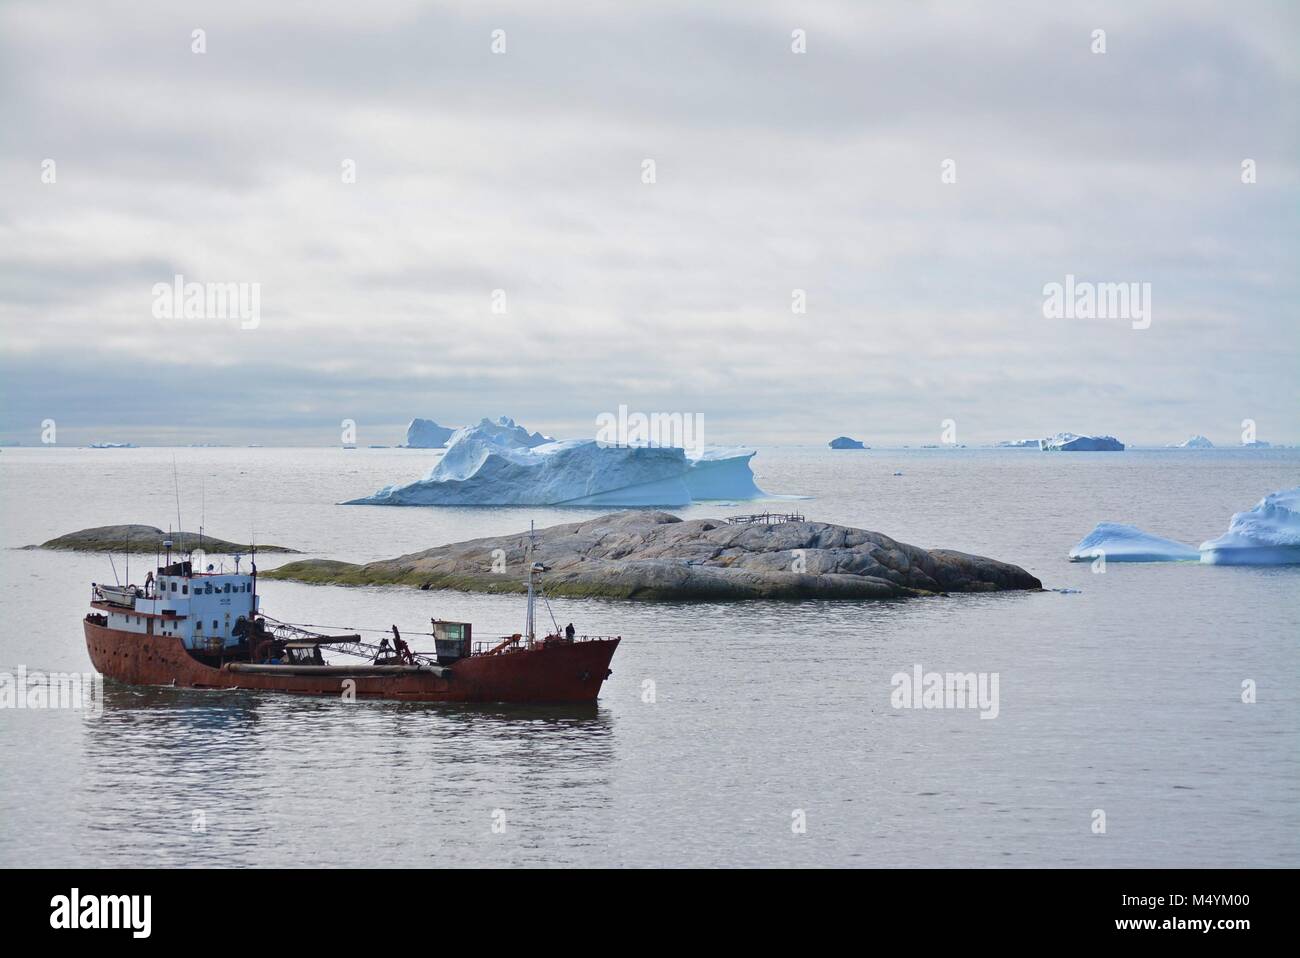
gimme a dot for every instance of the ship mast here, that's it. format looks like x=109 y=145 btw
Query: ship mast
x=532 y=544
x=252 y=546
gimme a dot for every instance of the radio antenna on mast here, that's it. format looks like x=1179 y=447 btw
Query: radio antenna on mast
x=176 y=483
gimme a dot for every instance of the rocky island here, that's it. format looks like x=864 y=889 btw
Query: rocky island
x=655 y=555
x=143 y=539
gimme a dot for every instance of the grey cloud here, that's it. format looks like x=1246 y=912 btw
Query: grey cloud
x=776 y=172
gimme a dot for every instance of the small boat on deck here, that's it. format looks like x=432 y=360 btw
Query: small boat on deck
x=206 y=630
x=122 y=595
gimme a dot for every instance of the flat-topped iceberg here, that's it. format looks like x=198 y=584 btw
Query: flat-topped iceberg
x=1268 y=534
x=502 y=464
x=1117 y=542
x=1069 y=442
x=721 y=472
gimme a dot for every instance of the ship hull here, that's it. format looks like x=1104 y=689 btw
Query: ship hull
x=554 y=672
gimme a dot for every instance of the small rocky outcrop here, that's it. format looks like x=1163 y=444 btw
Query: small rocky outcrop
x=146 y=539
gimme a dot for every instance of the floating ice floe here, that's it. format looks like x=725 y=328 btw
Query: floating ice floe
x=1118 y=542
x=1268 y=534
x=502 y=464
x=1069 y=442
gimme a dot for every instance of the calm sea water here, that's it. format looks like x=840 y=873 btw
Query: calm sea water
x=1123 y=696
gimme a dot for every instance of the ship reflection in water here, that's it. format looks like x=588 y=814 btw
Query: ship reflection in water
x=236 y=777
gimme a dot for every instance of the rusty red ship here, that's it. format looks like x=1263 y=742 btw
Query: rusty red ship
x=206 y=630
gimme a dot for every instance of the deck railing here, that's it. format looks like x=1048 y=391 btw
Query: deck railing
x=514 y=643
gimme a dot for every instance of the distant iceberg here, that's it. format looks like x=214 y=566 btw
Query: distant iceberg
x=1018 y=444
x=844 y=442
x=1069 y=442
x=1124 y=543
x=427 y=434
x=1195 y=442
x=1268 y=534
x=504 y=432
x=502 y=464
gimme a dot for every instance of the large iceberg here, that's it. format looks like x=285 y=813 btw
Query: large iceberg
x=427 y=434
x=1195 y=442
x=1069 y=442
x=502 y=464
x=1268 y=534
x=845 y=442
x=1118 y=542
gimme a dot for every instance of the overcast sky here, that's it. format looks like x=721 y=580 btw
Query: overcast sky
x=774 y=171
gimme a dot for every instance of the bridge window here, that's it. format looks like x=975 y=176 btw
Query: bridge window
x=185 y=590
x=214 y=624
